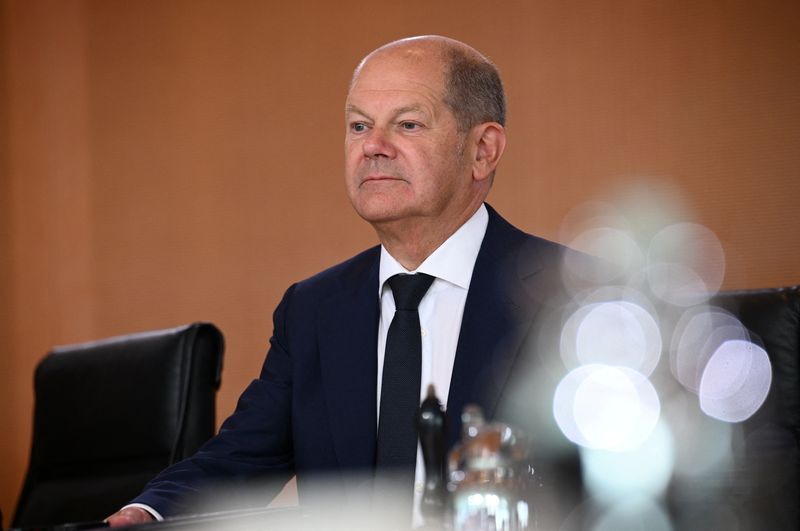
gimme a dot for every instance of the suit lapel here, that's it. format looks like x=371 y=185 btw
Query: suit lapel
x=497 y=314
x=496 y=319
x=348 y=339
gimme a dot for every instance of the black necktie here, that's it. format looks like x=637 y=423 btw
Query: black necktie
x=400 y=388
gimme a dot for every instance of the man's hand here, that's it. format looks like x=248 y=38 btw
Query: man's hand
x=129 y=516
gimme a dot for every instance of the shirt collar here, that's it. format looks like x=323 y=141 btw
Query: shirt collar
x=453 y=261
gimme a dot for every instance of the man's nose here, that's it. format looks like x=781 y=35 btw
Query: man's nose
x=379 y=144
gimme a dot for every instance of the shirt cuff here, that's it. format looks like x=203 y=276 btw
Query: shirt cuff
x=155 y=514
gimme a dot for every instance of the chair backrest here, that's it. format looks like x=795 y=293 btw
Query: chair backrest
x=767 y=479
x=109 y=415
x=772 y=316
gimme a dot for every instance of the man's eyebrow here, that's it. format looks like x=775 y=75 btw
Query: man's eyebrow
x=350 y=109
x=409 y=108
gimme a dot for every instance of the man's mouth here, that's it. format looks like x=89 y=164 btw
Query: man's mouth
x=378 y=179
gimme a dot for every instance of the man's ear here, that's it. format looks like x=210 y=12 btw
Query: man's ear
x=490 y=138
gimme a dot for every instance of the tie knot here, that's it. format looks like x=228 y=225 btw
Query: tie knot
x=408 y=290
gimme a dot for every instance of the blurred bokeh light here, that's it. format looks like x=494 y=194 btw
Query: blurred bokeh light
x=736 y=381
x=698 y=334
x=613 y=333
x=686 y=264
x=605 y=407
x=633 y=514
x=643 y=471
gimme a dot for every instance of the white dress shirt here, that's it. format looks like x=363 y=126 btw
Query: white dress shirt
x=440 y=313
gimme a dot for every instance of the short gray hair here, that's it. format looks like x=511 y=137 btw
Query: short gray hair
x=472 y=88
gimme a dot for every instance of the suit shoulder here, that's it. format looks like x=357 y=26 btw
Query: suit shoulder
x=351 y=272
x=503 y=238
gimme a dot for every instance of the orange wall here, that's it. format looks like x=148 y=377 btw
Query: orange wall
x=163 y=162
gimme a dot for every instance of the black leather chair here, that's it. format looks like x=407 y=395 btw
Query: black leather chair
x=772 y=316
x=109 y=415
x=765 y=478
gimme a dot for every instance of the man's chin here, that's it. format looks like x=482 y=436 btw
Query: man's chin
x=377 y=212
x=379 y=217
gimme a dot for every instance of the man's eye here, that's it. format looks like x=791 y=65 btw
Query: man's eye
x=358 y=127
x=409 y=126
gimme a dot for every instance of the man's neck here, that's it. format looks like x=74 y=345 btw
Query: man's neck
x=411 y=240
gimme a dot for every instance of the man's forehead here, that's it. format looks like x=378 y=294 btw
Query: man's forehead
x=372 y=102
x=356 y=106
x=413 y=51
x=421 y=57
x=398 y=73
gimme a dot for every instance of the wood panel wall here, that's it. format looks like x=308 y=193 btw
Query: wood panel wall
x=169 y=161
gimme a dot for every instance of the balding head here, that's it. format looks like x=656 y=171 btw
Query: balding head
x=424 y=136
x=472 y=89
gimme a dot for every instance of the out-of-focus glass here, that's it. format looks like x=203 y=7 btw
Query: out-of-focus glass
x=488 y=476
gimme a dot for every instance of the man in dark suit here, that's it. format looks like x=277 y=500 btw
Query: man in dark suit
x=425 y=132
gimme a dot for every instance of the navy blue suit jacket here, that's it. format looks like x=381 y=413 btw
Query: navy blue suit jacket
x=313 y=410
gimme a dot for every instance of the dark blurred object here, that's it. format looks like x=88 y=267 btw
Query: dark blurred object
x=78 y=526
x=767 y=478
x=764 y=485
x=432 y=433
x=111 y=414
